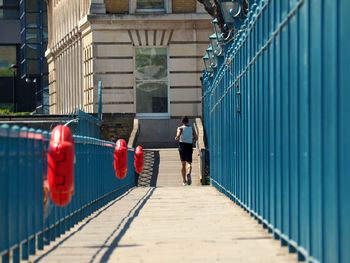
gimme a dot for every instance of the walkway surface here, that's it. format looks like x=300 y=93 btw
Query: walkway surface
x=167 y=224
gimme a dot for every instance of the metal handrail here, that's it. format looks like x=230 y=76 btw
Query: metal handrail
x=28 y=220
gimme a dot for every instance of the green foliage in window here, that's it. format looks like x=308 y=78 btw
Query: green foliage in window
x=7 y=58
x=151 y=74
x=151 y=64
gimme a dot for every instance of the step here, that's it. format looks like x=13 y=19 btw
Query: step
x=163 y=168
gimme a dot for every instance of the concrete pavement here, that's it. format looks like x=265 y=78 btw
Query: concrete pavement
x=168 y=223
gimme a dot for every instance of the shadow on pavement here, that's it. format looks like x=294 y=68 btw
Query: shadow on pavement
x=150 y=172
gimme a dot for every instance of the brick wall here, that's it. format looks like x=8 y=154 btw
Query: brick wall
x=184 y=6
x=117 y=6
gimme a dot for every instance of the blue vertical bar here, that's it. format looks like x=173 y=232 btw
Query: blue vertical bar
x=343 y=55
x=39 y=212
x=255 y=124
x=23 y=192
x=32 y=189
x=266 y=119
x=278 y=120
x=272 y=118
x=48 y=213
x=244 y=131
x=294 y=126
x=4 y=194
x=285 y=128
x=248 y=117
x=330 y=135
x=14 y=232
x=251 y=126
x=304 y=122
x=316 y=144
x=260 y=117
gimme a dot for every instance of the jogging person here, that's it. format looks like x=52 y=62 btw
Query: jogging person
x=185 y=136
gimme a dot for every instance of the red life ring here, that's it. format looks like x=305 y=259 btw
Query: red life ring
x=138 y=160
x=61 y=165
x=121 y=159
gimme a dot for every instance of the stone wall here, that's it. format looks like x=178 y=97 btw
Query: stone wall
x=116 y=126
x=159 y=133
x=114 y=54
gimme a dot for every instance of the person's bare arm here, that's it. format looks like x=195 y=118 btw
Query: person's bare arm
x=178 y=134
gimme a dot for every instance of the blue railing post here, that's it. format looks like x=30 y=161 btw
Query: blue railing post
x=4 y=194
x=32 y=189
x=13 y=188
x=39 y=172
x=23 y=191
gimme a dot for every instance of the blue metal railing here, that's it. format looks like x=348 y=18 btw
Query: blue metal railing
x=84 y=124
x=276 y=113
x=88 y=125
x=27 y=221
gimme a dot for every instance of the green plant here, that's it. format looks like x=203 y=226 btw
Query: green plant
x=9 y=112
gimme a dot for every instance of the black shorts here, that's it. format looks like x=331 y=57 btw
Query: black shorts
x=185 y=151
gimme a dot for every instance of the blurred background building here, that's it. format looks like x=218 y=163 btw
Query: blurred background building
x=23 y=67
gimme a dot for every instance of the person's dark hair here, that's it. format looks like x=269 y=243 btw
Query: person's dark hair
x=184 y=120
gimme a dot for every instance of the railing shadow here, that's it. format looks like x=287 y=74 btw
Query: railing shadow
x=134 y=212
x=81 y=227
x=150 y=172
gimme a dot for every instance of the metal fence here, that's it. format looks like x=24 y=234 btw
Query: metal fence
x=276 y=112
x=27 y=219
x=85 y=124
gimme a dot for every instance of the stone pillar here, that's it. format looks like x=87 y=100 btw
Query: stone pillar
x=97 y=7
x=168 y=7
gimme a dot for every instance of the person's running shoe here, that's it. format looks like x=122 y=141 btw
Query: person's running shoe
x=184 y=183
x=189 y=180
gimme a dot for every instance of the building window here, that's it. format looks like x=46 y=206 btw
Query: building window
x=33 y=45
x=184 y=6
x=151 y=75
x=9 y=9
x=33 y=37
x=7 y=58
x=150 y=4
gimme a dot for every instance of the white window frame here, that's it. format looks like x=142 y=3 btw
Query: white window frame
x=163 y=115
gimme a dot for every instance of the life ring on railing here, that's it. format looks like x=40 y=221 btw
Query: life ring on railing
x=121 y=159
x=60 y=160
x=138 y=160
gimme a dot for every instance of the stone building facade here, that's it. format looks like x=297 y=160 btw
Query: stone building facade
x=147 y=53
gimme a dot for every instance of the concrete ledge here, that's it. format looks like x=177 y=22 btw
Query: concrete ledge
x=202 y=152
x=43 y=122
x=134 y=134
x=115 y=18
x=198 y=127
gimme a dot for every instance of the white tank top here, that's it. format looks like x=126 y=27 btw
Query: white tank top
x=186 y=134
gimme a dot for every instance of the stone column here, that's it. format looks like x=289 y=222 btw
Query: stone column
x=97 y=7
x=168 y=6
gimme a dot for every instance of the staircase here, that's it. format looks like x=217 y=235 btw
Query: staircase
x=163 y=168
